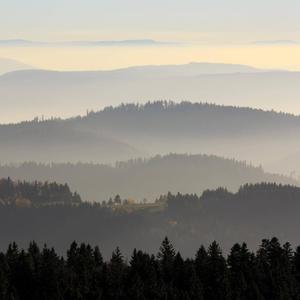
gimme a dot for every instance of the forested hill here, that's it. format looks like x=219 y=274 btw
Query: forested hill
x=35 y=194
x=146 y=178
x=200 y=119
x=131 y=131
x=167 y=117
x=28 y=93
x=251 y=214
x=58 y=140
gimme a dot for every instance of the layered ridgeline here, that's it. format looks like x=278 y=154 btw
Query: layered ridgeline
x=254 y=212
x=146 y=179
x=26 y=94
x=130 y=131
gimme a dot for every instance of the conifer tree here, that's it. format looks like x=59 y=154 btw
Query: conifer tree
x=166 y=258
x=115 y=276
x=217 y=283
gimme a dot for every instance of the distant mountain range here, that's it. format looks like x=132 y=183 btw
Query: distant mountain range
x=129 y=42
x=276 y=42
x=103 y=43
x=10 y=65
x=130 y=131
x=27 y=94
x=146 y=179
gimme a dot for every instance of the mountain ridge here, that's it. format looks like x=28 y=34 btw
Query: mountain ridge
x=147 y=178
x=27 y=93
x=156 y=127
x=81 y=43
x=10 y=65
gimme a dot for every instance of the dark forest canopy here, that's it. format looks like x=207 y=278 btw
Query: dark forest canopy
x=141 y=179
x=22 y=193
x=254 y=212
x=272 y=272
x=131 y=130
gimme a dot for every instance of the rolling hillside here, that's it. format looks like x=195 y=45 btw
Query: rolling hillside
x=131 y=131
x=252 y=213
x=28 y=93
x=146 y=179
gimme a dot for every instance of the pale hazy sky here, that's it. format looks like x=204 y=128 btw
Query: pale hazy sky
x=223 y=30
x=203 y=20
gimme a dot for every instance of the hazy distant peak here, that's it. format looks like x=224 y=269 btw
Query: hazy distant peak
x=28 y=93
x=136 y=42
x=10 y=65
x=17 y=42
x=87 y=43
x=191 y=69
x=276 y=42
x=151 y=71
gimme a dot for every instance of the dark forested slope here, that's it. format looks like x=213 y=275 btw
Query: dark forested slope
x=22 y=193
x=254 y=212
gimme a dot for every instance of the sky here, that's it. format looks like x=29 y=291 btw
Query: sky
x=210 y=30
x=227 y=21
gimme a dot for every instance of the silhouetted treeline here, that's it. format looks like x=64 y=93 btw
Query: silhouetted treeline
x=141 y=179
x=273 y=272
x=254 y=212
x=22 y=193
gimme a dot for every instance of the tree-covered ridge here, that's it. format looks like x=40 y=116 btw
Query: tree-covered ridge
x=264 y=201
x=22 y=193
x=272 y=272
x=71 y=92
x=167 y=108
x=164 y=117
x=141 y=179
x=185 y=106
x=129 y=131
x=254 y=212
x=197 y=117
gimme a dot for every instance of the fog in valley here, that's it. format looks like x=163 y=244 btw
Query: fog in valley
x=146 y=180
x=33 y=93
x=183 y=168
x=149 y=150
x=133 y=131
